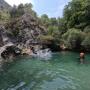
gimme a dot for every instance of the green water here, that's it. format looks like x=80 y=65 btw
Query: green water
x=61 y=72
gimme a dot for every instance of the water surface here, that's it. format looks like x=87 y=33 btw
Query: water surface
x=61 y=72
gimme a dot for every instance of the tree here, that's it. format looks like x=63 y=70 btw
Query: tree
x=87 y=29
x=52 y=30
x=20 y=10
x=13 y=12
x=28 y=9
x=53 y=21
x=77 y=14
x=73 y=38
x=86 y=42
x=45 y=20
x=61 y=25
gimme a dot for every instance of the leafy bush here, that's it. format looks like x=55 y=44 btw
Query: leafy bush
x=87 y=29
x=73 y=38
x=86 y=42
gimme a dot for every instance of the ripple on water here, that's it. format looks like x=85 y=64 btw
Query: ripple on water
x=21 y=84
x=58 y=83
x=61 y=72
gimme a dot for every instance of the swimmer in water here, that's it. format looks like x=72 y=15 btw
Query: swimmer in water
x=82 y=56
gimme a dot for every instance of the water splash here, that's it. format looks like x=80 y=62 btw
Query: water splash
x=43 y=54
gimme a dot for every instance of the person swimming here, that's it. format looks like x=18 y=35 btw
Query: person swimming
x=82 y=57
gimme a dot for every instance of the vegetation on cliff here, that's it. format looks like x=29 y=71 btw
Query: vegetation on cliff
x=72 y=30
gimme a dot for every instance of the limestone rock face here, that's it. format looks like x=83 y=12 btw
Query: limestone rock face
x=4 y=39
x=25 y=30
x=1 y=39
x=4 y=5
x=22 y=32
x=2 y=35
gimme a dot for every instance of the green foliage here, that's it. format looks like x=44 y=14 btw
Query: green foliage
x=13 y=12
x=20 y=10
x=52 y=30
x=28 y=9
x=47 y=37
x=44 y=20
x=77 y=14
x=86 y=42
x=73 y=37
x=55 y=27
x=87 y=29
x=72 y=29
x=61 y=25
x=53 y=22
x=4 y=16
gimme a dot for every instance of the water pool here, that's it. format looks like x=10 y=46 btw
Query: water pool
x=61 y=72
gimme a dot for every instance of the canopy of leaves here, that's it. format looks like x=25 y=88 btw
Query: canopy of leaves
x=86 y=42
x=20 y=10
x=77 y=13
x=73 y=38
x=72 y=29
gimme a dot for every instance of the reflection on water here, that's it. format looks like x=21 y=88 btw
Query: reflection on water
x=60 y=72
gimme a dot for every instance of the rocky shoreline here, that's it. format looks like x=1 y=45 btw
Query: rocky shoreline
x=20 y=36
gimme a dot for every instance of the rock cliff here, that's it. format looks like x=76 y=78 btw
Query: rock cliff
x=25 y=30
x=4 y=5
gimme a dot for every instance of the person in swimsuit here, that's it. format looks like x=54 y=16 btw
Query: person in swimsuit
x=82 y=56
